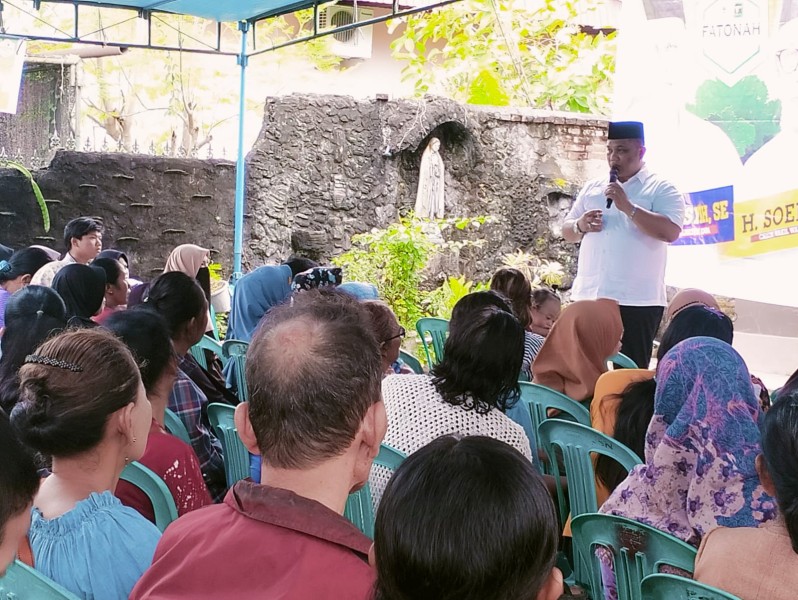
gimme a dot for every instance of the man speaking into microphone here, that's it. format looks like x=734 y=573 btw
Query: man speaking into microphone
x=625 y=223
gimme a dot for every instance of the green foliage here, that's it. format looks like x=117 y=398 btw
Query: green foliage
x=441 y=301
x=393 y=259
x=503 y=52
x=37 y=192
x=743 y=111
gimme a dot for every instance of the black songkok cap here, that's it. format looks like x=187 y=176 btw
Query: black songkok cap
x=626 y=130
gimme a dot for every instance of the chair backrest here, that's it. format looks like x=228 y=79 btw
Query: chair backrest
x=206 y=343
x=236 y=352
x=236 y=456
x=637 y=550
x=23 y=583
x=433 y=332
x=536 y=400
x=621 y=361
x=412 y=362
x=163 y=504
x=663 y=586
x=175 y=426
x=359 y=508
x=574 y=443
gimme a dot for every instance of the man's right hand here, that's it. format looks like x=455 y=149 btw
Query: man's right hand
x=592 y=221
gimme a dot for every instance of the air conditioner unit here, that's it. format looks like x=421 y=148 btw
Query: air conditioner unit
x=352 y=43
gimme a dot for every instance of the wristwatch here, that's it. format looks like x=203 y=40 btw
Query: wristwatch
x=577 y=231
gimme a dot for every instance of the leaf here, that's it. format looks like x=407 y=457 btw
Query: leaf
x=37 y=192
x=486 y=89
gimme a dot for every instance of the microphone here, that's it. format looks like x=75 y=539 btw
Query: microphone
x=613 y=179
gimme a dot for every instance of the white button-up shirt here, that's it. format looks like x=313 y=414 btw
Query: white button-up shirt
x=621 y=262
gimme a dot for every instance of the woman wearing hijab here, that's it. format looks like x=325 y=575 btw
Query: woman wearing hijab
x=689 y=297
x=16 y=272
x=82 y=288
x=255 y=294
x=575 y=352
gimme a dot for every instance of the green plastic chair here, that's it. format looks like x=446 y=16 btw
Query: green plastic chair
x=574 y=443
x=175 y=426
x=433 y=331
x=23 y=583
x=412 y=362
x=621 y=361
x=206 y=343
x=163 y=504
x=663 y=586
x=236 y=351
x=359 y=508
x=236 y=456
x=637 y=551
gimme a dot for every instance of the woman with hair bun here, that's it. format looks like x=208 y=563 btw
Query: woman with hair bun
x=82 y=402
x=765 y=558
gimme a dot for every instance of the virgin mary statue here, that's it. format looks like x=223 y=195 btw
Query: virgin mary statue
x=429 y=198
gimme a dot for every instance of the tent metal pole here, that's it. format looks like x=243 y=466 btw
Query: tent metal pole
x=238 y=237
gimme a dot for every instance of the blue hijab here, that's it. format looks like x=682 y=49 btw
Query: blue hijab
x=254 y=295
x=361 y=291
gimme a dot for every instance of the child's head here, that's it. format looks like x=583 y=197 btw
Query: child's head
x=546 y=307
x=19 y=483
x=467 y=519
x=778 y=463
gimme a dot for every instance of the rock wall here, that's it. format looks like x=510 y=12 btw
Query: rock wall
x=327 y=167
x=149 y=204
x=323 y=169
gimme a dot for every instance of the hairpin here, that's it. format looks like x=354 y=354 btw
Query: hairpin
x=5 y=266
x=53 y=362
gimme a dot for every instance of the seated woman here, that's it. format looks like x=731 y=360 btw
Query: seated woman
x=82 y=288
x=545 y=310
x=145 y=334
x=453 y=521
x=32 y=315
x=689 y=297
x=116 y=288
x=700 y=448
x=513 y=285
x=181 y=302
x=762 y=563
x=19 y=483
x=625 y=416
x=82 y=402
x=466 y=393
x=387 y=331
x=576 y=350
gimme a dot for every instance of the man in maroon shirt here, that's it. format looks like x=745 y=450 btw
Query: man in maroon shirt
x=315 y=414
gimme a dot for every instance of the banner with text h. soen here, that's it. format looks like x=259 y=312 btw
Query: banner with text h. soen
x=716 y=84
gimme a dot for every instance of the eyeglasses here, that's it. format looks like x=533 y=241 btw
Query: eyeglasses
x=401 y=334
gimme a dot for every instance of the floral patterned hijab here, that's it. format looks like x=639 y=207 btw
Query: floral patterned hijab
x=701 y=445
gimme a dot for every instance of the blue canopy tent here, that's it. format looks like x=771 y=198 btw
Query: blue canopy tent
x=246 y=13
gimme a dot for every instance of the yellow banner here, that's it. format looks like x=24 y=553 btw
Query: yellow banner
x=764 y=225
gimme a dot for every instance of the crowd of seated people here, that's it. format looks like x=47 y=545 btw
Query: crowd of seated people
x=92 y=367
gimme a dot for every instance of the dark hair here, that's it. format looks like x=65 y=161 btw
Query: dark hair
x=515 y=286
x=79 y=227
x=146 y=335
x=542 y=295
x=19 y=480
x=384 y=323
x=695 y=321
x=82 y=288
x=299 y=264
x=112 y=268
x=780 y=451
x=115 y=255
x=472 y=303
x=313 y=370
x=635 y=410
x=32 y=314
x=23 y=262
x=481 y=361
x=62 y=412
x=178 y=298
x=467 y=519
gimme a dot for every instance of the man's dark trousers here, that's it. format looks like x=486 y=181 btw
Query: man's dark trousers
x=640 y=324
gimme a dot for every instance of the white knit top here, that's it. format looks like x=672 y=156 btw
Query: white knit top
x=417 y=414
